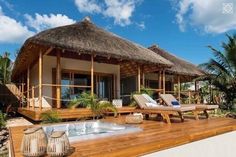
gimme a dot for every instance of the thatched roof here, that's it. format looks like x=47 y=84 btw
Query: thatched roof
x=86 y=38
x=181 y=66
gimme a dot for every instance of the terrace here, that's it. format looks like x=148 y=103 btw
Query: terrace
x=156 y=136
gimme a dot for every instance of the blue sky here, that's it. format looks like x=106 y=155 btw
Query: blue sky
x=182 y=27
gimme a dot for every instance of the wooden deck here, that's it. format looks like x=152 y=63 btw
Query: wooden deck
x=154 y=137
x=35 y=115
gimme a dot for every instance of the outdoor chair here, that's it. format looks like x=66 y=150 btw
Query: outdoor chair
x=169 y=99
x=147 y=107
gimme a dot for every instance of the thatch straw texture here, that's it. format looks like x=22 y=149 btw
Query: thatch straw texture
x=86 y=38
x=181 y=66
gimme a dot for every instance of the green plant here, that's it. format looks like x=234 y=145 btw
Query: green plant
x=221 y=70
x=50 y=117
x=83 y=100
x=5 y=68
x=2 y=119
x=97 y=107
x=73 y=104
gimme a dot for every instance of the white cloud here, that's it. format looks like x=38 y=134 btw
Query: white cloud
x=141 y=25
x=120 y=10
x=206 y=15
x=12 y=31
x=88 y=6
x=42 y=22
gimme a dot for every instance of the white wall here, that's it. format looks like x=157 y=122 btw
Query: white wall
x=49 y=62
x=218 y=146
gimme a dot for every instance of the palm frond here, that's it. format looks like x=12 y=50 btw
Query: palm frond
x=219 y=68
x=230 y=51
x=221 y=58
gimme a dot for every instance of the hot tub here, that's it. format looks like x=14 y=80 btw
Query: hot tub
x=86 y=130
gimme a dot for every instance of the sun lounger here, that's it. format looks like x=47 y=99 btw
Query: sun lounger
x=169 y=99
x=146 y=108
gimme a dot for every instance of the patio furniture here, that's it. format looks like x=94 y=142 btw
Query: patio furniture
x=34 y=142
x=147 y=108
x=135 y=118
x=169 y=99
x=34 y=102
x=58 y=144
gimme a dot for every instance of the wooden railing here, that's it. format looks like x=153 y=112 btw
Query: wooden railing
x=190 y=96
x=9 y=94
x=14 y=89
x=27 y=97
x=70 y=86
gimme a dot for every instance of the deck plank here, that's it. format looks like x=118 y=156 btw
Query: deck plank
x=155 y=136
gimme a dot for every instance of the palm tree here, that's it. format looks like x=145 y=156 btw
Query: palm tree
x=5 y=68
x=221 y=70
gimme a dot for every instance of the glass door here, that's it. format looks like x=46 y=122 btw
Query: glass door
x=105 y=87
x=65 y=90
x=81 y=80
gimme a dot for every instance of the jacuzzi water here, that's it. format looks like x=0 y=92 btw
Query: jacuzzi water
x=86 y=130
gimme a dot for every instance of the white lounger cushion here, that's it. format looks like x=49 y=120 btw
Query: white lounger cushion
x=149 y=99
x=149 y=104
x=141 y=101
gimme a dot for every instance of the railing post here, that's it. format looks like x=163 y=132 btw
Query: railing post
x=40 y=79
x=28 y=87
x=143 y=77
x=92 y=72
x=179 y=86
x=20 y=96
x=33 y=101
x=189 y=97
x=159 y=80
x=139 y=88
x=22 y=93
x=58 y=80
x=164 y=82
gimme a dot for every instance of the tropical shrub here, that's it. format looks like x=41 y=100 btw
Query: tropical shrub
x=50 y=117
x=5 y=68
x=221 y=70
x=2 y=120
x=73 y=104
x=83 y=100
x=98 y=107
